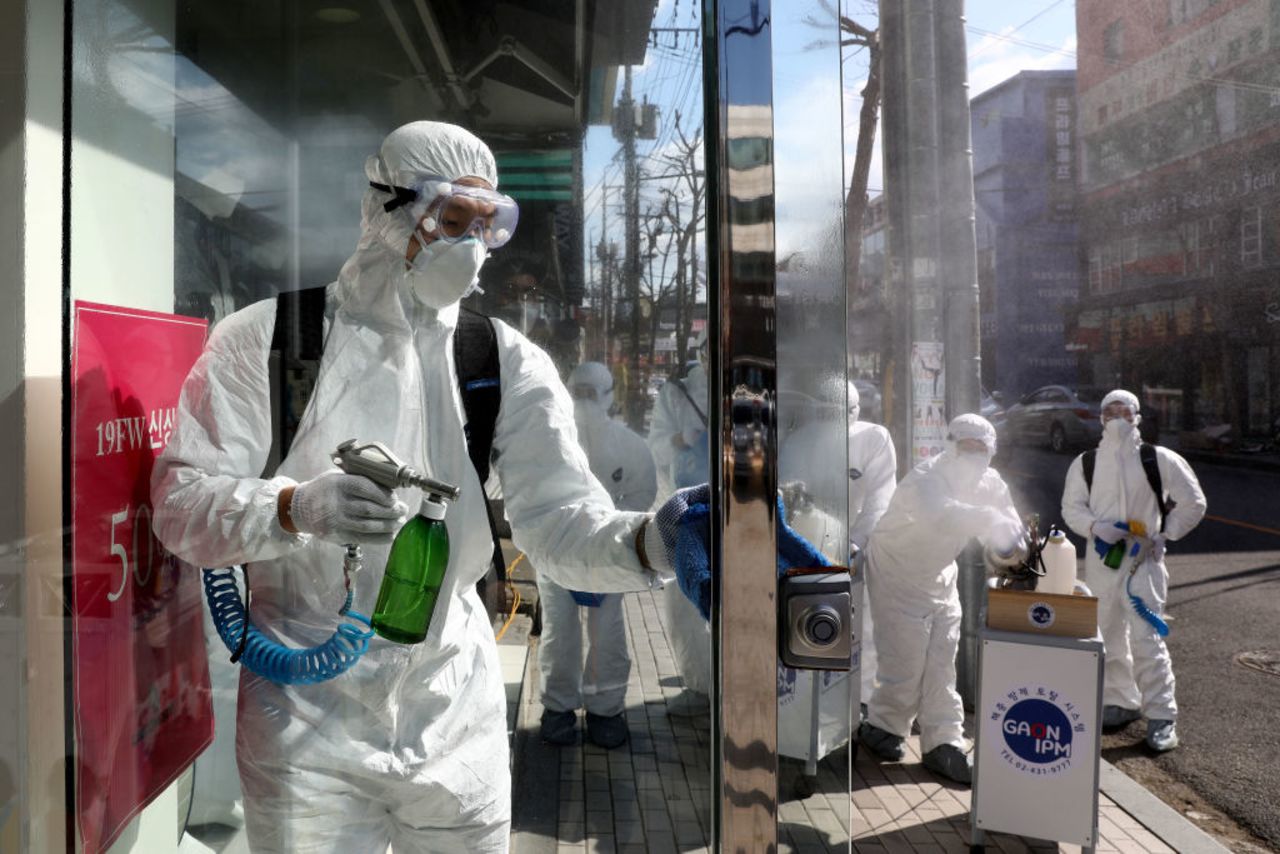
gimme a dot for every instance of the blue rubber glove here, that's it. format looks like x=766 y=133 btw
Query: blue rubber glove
x=588 y=600
x=684 y=524
x=1107 y=534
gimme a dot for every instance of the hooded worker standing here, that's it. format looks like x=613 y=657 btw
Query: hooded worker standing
x=408 y=748
x=1141 y=497
x=942 y=504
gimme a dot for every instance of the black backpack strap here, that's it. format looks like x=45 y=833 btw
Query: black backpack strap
x=476 y=363
x=297 y=343
x=1151 y=465
x=684 y=389
x=475 y=359
x=293 y=364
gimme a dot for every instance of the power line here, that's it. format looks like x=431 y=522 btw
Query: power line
x=1042 y=12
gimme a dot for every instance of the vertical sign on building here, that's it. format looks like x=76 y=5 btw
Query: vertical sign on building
x=1060 y=132
x=139 y=672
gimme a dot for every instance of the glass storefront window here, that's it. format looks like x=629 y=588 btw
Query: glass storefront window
x=935 y=209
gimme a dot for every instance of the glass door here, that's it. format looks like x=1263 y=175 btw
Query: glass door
x=674 y=281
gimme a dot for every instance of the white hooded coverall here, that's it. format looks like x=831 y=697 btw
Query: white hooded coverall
x=409 y=747
x=873 y=477
x=1139 y=671
x=808 y=454
x=935 y=511
x=674 y=415
x=621 y=461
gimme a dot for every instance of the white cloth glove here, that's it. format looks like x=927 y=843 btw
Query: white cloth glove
x=346 y=508
x=1157 y=547
x=656 y=551
x=1108 y=532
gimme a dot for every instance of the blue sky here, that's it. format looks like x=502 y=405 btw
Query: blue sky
x=1004 y=38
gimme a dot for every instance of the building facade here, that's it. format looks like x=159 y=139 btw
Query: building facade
x=1179 y=184
x=1024 y=169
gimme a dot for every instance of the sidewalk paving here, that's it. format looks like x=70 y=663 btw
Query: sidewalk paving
x=653 y=794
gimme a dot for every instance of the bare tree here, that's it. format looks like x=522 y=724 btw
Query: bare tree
x=690 y=197
x=855 y=205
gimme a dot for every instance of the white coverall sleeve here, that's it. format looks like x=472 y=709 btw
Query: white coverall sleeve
x=665 y=425
x=996 y=496
x=560 y=514
x=211 y=507
x=881 y=476
x=1075 y=500
x=1184 y=489
x=639 y=486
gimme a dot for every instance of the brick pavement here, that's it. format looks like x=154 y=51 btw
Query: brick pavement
x=653 y=794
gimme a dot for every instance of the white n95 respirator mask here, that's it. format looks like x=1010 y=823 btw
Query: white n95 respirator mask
x=442 y=273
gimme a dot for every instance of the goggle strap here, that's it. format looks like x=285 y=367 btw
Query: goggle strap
x=403 y=195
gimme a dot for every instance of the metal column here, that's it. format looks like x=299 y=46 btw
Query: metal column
x=741 y=277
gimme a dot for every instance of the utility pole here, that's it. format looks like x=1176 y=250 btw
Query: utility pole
x=607 y=275
x=933 y=254
x=631 y=273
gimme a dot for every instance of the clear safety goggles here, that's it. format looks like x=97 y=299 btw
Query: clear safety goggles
x=972 y=446
x=584 y=391
x=1117 y=410
x=451 y=212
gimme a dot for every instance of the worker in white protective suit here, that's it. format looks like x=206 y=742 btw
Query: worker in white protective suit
x=1121 y=504
x=872 y=472
x=942 y=504
x=409 y=746
x=680 y=444
x=621 y=461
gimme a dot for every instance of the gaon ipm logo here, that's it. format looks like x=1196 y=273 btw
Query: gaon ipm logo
x=1039 y=729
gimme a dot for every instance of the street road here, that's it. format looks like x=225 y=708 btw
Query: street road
x=1224 y=599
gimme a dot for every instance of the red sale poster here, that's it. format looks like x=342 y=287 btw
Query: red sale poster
x=140 y=676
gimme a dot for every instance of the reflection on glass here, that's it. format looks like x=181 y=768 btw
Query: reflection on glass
x=815 y=707
x=240 y=138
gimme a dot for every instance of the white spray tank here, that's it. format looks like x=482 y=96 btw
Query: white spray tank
x=1059 y=558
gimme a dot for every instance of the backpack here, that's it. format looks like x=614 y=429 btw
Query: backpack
x=1147 y=453
x=294 y=363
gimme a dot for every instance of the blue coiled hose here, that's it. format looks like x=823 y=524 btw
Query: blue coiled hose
x=1161 y=627
x=272 y=660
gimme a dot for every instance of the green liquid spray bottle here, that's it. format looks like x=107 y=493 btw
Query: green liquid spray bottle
x=414 y=575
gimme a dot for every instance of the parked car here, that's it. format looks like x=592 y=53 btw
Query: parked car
x=1055 y=415
x=990 y=406
x=1064 y=418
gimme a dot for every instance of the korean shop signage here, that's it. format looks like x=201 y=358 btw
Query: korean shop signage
x=139 y=672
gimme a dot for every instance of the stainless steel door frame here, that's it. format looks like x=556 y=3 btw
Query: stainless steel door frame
x=742 y=286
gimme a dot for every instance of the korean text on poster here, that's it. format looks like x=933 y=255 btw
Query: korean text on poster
x=139 y=671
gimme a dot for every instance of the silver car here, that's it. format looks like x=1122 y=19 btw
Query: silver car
x=1056 y=415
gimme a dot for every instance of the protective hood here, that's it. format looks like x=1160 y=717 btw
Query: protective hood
x=965 y=471
x=1120 y=431
x=373 y=283
x=1119 y=395
x=595 y=377
x=971 y=426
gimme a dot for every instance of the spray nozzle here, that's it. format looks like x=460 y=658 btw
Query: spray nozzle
x=375 y=461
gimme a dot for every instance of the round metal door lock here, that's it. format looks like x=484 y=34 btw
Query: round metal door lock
x=821 y=626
